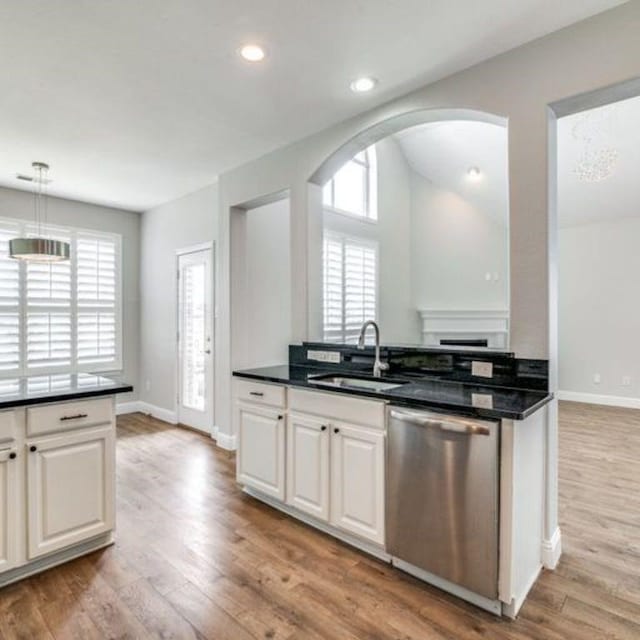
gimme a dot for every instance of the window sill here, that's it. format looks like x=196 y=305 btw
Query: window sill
x=350 y=215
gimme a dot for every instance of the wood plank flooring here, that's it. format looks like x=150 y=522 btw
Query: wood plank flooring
x=196 y=559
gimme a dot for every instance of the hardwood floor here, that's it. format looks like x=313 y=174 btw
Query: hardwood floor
x=195 y=558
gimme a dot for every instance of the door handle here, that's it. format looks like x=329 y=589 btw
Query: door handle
x=207 y=351
x=78 y=416
x=457 y=426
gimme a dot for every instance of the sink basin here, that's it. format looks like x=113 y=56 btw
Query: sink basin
x=370 y=384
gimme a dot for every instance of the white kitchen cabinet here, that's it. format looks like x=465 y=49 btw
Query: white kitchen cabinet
x=9 y=529
x=261 y=448
x=70 y=488
x=357 y=481
x=308 y=465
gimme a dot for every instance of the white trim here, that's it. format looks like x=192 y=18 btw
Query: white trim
x=224 y=440
x=166 y=415
x=354 y=541
x=594 y=398
x=552 y=550
x=492 y=606
x=194 y=248
x=127 y=407
x=512 y=609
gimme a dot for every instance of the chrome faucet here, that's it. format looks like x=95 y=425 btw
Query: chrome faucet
x=378 y=365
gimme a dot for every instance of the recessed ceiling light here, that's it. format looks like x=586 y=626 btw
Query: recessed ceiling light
x=252 y=53
x=474 y=173
x=364 y=84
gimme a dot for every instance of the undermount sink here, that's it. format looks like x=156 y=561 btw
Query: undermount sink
x=370 y=384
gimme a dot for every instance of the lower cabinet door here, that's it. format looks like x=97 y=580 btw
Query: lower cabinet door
x=70 y=489
x=308 y=465
x=357 y=481
x=261 y=452
x=9 y=530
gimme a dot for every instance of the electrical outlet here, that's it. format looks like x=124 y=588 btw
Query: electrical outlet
x=334 y=357
x=626 y=381
x=596 y=378
x=147 y=385
x=482 y=400
x=482 y=369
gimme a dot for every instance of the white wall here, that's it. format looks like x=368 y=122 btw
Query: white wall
x=19 y=204
x=453 y=246
x=185 y=222
x=268 y=272
x=599 y=307
x=518 y=85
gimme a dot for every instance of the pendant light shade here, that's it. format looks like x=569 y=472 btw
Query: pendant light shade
x=39 y=248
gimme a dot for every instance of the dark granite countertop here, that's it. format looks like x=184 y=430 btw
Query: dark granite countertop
x=30 y=390
x=483 y=401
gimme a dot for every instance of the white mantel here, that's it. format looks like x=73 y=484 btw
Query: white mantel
x=458 y=324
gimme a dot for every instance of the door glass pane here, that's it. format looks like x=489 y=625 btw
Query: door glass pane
x=193 y=336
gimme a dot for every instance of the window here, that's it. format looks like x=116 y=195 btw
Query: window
x=60 y=317
x=353 y=188
x=349 y=286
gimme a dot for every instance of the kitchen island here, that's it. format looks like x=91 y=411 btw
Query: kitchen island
x=57 y=470
x=436 y=467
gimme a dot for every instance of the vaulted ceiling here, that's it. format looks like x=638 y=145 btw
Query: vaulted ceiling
x=136 y=103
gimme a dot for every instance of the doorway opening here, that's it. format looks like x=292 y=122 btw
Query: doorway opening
x=261 y=281
x=195 y=337
x=593 y=229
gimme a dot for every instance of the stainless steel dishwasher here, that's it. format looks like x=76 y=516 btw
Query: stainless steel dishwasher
x=442 y=496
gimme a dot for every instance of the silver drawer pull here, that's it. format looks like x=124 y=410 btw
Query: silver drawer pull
x=76 y=417
x=258 y=394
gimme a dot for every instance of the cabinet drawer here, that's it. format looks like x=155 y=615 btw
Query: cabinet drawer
x=369 y=413
x=269 y=394
x=65 y=416
x=7 y=427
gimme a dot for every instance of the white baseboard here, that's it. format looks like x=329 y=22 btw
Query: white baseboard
x=594 y=398
x=512 y=609
x=127 y=407
x=552 y=550
x=224 y=440
x=158 y=412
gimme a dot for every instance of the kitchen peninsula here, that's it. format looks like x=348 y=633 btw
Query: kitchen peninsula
x=57 y=470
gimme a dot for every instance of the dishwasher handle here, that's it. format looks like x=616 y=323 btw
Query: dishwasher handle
x=456 y=425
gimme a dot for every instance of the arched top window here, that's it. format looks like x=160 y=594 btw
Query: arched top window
x=353 y=189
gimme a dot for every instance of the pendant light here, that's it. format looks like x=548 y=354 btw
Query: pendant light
x=39 y=248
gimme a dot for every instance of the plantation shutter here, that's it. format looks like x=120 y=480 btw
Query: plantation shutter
x=60 y=317
x=359 y=288
x=9 y=302
x=350 y=286
x=48 y=311
x=96 y=299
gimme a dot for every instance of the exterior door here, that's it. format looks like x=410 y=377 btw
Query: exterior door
x=70 y=489
x=357 y=481
x=8 y=509
x=308 y=465
x=195 y=339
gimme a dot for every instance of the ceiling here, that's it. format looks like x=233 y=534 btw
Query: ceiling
x=136 y=103
x=610 y=136
x=443 y=152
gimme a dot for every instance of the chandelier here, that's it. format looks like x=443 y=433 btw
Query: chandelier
x=39 y=248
